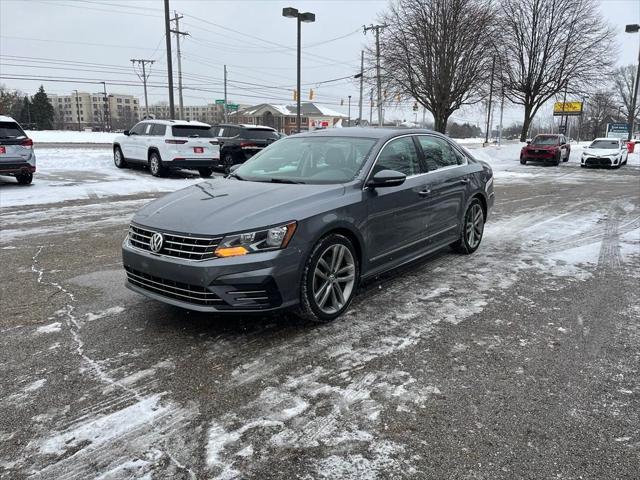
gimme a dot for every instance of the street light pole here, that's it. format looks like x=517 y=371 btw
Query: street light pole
x=634 y=28
x=306 y=17
x=349 y=115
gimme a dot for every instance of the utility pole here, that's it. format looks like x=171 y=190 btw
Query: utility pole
x=377 y=29
x=361 y=86
x=78 y=110
x=177 y=31
x=371 y=107
x=167 y=34
x=226 y=120
x=106 y=108
x=486 y=135
x=349 y=115
x=143 y=77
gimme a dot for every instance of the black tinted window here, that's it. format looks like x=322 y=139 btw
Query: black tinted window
x=10 y=130
x=399 y=155
x=438 y=153
x=158 y=130
x=259 y=134
x=192 y=131
x=229 y=132
x=138 y=129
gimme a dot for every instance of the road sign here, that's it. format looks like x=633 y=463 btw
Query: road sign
x=567 y=108
x=618 y=130
x=220 y=101
x=232 y=107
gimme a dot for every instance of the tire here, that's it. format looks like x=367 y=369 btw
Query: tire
x=556 y=162
x=323 y=295
x=205 y=172
x=155 y=165
x=583 y=165
x=566 y=159
x=118 y=158
x=24 y=178
x=472 y=229
x=523 y=161
x=227 y=162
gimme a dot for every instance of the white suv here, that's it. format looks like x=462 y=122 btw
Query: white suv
x=168 y=144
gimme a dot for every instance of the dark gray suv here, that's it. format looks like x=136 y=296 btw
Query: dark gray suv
x=303 y=221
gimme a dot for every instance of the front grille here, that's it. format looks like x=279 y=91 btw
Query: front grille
x=603 y=162
x=169 y=288
x=177 y=246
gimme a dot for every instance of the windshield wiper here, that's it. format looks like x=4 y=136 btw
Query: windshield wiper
x=285 y=180
x=235 y=175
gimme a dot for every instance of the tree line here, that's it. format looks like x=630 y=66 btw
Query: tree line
x=32 y=112
x=447 y=54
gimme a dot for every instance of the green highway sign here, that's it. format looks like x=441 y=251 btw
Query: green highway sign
x=220 y=101
x=232 y=106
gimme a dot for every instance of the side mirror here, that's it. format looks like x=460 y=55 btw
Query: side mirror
x=126 y=132
x=386 y=178
x=233 y=168
x=528 y=142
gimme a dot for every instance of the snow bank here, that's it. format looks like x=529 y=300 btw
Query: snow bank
x=70 y=136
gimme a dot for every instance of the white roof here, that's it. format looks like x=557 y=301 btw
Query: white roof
x=605 y=138
x=176 y=122
x=4 y=118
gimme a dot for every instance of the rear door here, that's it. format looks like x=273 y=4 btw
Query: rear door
x=447 y=187
x=396 y=224
x=15 y=146
x=195 y=141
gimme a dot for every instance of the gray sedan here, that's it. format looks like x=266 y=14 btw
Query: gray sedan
x=301 y=223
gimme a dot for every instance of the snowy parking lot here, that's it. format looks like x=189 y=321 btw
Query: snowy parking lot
x=520 y=361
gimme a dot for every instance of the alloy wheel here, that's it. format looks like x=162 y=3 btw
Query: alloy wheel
x=154 y=165
x=474 y=225
x=117 y=157
x=334 y=278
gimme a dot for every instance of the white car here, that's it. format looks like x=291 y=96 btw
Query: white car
x=17 y=157
x=168 y=144
x=605 y=152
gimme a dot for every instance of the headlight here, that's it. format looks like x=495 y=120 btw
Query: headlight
x=274 y=238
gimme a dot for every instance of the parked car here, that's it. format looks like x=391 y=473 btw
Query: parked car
x=605 y=152
x=302 y=222
x=549 y=148
x=238 y=143
x=168 y=144
x=17 y=157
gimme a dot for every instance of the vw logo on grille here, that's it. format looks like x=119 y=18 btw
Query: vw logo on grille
x=155 y=244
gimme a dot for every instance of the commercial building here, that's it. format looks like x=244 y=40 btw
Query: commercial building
x=210 y=113
x=283 y=117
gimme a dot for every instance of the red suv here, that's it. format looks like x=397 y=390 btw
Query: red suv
x=546 y=148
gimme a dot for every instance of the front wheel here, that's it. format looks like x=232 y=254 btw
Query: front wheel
x=24 y=178
x=566 y=159
x=523 y=161
x=472 y=229
x=227 y=162
x=118 y=158
x=556 y=162
x=155 y=165
x=329 y=280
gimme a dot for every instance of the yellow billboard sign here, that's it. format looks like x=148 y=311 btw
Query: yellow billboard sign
x=567 y=108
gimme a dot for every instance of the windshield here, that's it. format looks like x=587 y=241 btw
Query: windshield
x=308 y=160
x=545 y=140
x=606 y=144
x=192 y=131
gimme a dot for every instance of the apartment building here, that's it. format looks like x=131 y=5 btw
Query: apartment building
x=210 y=113
x=83 y=110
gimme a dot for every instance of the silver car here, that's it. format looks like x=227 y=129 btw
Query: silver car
x=17 y=157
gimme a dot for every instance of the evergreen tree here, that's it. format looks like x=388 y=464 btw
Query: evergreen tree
x=41 y=110
x=25 y=113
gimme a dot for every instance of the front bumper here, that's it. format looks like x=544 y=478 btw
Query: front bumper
x=255 y=282
x=540 y=157
x=599 y=161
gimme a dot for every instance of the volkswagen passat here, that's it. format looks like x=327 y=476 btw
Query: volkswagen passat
x=303 y=221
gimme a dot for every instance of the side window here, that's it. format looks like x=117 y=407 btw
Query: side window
x=158 y=130
x=399 y=155
x=147 y=129
x=231 y=131
x=438 y=153
x=138 y=129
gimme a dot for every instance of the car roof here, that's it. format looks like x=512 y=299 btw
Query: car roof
x=245 y=125
x=606 y=138
x=4 y=118
x=176 y=122
x=367 y=132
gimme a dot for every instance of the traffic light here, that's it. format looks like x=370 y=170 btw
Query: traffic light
x=295 y=95
x=311 y=94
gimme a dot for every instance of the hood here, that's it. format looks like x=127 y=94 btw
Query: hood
x=601 y=152
x=221 y=206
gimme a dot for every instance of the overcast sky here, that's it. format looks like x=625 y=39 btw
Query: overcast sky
x=96 y=39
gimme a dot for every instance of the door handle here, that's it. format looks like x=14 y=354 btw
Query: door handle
x=425 y=193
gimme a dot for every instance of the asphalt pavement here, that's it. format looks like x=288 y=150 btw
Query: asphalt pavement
x=521 y=361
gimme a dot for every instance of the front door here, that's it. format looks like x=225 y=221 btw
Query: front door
x=396 y=224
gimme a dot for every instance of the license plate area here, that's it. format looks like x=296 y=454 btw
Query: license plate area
x=2 y=149
x=198 y=149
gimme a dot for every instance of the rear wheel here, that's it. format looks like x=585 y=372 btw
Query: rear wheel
x=472 y=229
x=227 y=162
x=24 y=178
x=155 y=166
x=329 y=280
x=118 y=158
x=205 y=172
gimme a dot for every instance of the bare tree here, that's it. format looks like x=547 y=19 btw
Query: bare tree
x=600 y=109
x=623 y=80
x=437 y=52
x=550 y=45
